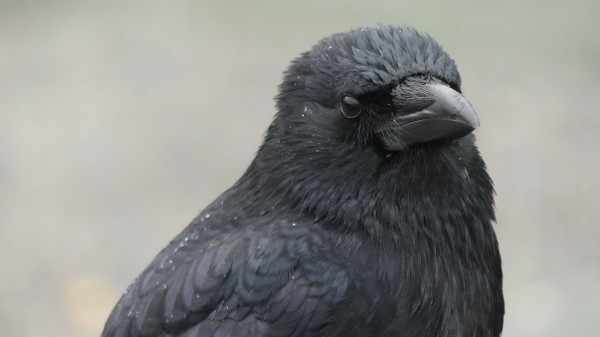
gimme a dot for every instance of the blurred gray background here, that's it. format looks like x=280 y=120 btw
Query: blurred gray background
x=120 y=121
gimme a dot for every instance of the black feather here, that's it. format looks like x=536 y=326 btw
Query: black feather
x=328 y=233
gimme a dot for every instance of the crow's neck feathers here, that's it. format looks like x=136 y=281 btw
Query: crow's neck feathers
x=440 y=190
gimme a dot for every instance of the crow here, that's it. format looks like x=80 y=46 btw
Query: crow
x=367 y=211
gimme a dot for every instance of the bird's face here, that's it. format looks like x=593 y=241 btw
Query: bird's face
x=386 y=88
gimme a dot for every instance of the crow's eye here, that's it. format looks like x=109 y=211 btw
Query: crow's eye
x=350 y=106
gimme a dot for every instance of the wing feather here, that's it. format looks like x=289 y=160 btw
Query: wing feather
x=276 y=280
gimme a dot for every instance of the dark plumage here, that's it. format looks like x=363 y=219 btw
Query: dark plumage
x=366 y=212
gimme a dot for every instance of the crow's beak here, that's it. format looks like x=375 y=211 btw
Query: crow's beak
x=449 y=117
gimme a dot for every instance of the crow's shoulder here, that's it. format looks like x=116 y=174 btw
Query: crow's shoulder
x=278 y=279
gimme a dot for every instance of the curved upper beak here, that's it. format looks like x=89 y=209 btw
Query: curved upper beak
x=449 y=117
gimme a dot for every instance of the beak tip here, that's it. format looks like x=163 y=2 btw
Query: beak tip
x=472 y=118
x=452 y=102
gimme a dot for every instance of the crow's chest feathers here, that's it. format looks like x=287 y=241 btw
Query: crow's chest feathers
x=424 y=274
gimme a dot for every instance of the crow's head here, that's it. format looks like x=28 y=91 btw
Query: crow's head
x=376 y=109
x=387 y=86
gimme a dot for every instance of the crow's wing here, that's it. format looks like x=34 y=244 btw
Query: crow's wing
x=278 y=280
